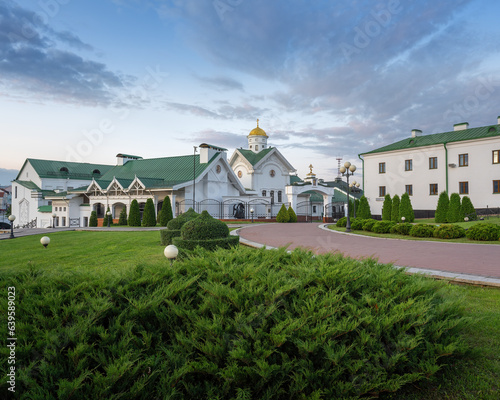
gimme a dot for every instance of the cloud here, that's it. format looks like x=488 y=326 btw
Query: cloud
x=224 y=110
x=221 y=83
x=219 y=138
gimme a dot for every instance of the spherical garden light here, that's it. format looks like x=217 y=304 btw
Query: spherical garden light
x=347 y=170
x=12 y=218
x=108 y=214
x=466 y=219
x=54 y=215
x=251 y=213
x=45 y=241
x=403 y=219
x=171 y=253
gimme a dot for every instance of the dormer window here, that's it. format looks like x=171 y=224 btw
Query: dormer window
x=96 y=172
x=64 y=169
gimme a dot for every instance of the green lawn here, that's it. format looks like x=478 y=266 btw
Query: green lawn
x=492 y=220
x=110 y=253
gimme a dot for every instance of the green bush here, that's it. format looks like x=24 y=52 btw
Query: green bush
x=402 y=228
x=382 y=226
x=208 y=244
x=363 y=211
x=468 y=209
x=395 y=209
x=123 y=217
x=443 y=204
x=368 y=225
x=204 y=227
x=387 y=208
x=283 y=215
x=342 y=222
x=455 y=209
x=134 y=215
x=166 y=235
x=422 y=230
x=292 y=217
x=93 y=219
x=237 y=324
x=357 y=224
x=483 y=231
x=406 y=209
x=166 y=212
x=178 y=222
x=149 y=215
x=448 y=231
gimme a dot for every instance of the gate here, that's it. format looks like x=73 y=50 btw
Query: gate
x=304 y=211
x=334 y=211
x=74 y=222
x=234 y=209
x=184 y=205
x=261 y=209
x=212 y=206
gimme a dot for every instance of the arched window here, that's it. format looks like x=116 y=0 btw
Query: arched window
x=96 y=171
x=64 y=169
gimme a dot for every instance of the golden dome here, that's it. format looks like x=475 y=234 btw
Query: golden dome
x=257 y=131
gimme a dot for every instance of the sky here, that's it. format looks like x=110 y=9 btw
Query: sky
x=85 y=80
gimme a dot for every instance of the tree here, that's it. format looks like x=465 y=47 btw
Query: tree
x=93 y=219
x=395 y=208
x=292 y=217
x=134 y=215
x=454 y=210
x=123 y=217
x=468 y=209
x=8 y=211
x=282 y=214
x=364 y=211
x=443 y=204
x=166 y=212
x=406 y=209
x=149 y=215
x=387 y=208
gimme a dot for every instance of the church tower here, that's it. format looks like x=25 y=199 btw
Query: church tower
x=257 y=139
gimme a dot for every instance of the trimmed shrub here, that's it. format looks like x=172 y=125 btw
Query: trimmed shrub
x=368 y=225
x=93 y=219
x=395 y=209
x=149 y=215
x=134 y=215
x=292 y=217
x=166 y=212
x=357 y=224
x=282 y=214
x=342 y=222
x=449 y=231
x=454 y=210
x=483 y=232
x=406 y=209
x=387 y=208
x=364 y=209
x=106 y=218
x=443 y=204
x=123 y=217
x=468 y=209
x=174 y=226
x=208 y=244
x=382 y=226
x=402 y=228
x=422 y=230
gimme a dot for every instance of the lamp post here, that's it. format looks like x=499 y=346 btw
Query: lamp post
x=45 y=241
x=54 y=215
x=354 y=186
x=171 y=253
x=251 y=213
x=12 y=218
x=194 y=178
x=109 y=217
x=347 y=170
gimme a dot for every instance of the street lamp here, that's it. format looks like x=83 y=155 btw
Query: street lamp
x=109 y=217
x=171 y=253
x=251 y=213
x=12 y=218
x=45 y=241
x=54 y=215
x=347 y=170
x=354 y=185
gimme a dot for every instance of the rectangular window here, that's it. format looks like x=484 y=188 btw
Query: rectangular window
x=496 y=186
x=314 y=209
x=433 y=162
x=433 y=189
x=272 y=196
x=496 y=156
x=463 y=187
x=381 y=191
x=463 y=160
x=263 y=193
x=408 y=165
x=381 y=168
x=409 y=190
x=15 y=190
x=279 y=196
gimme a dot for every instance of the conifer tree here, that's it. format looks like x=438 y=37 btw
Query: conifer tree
x=123 y=217
x=134 y=215
x=364 y=211
x=93 y=219
x=468 y=209
x=351 y=208
x=406 y=209
x=292 y=217
x=166 y=212
x=106 y=217
x=282 y=214
x=149 y=215
x=443 y=204
x=454 y=210
x=395 y=208
x=387 y=208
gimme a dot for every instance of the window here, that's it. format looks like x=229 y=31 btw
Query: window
x=64 y=208
x=433 y=162
x=496 y=186
x=433 y=189
x=409 y=190
x=256 y=147
x=15 y=192
x=279 y=196
x=463 y=160
x=314 y=209
x=496 y=156
x=63 y=221
x=381 y=191
x=263 y=193
x=272 y=196
x=408 y=165
x=463 y=187
x=381 y=168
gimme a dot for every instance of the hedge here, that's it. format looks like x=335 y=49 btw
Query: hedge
x=208 y=244
x=342 y=222
x=382 y=226
x=449 y=231
x=483 y=232
x=178 y=222
x=166 y=235
x=357 y=223
x=422 y=230
x=368 y=225
x=402 y=228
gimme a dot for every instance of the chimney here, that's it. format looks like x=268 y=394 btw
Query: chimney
x=461 y=126
x=415 y=132
x=498 y=120
x=207 y=151
x=122 y=159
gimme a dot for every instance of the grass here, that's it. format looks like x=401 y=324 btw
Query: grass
x=468 y=224
x=113 y=253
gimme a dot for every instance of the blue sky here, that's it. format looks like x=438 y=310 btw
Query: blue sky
x=85 y=80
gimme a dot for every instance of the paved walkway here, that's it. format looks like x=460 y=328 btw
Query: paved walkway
x=477 y=263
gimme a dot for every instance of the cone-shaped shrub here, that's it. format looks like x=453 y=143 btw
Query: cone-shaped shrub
x=282 y=214
x=395 y=208
x=363 y=211
x=134 y=216
x=442 y=207
x=93 y=219
x=387 y=208
x=468 y=209
x=454 y=210
x=174 y=226
x=106 y=218
x=149 y=215
x=123 y=217
x=292 y=217
x=406 y=209
x=351 y=208
x=166 y=212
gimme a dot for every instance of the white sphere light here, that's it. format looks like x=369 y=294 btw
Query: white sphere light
x=347 y=164
x=171 y=251
x=352 y=168
x=403 y=218
x=12 y=218
x=357 y=185
x=251 y=210
x=342 y=169
x=45 y=241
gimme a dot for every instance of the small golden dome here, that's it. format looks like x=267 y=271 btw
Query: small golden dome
x=257 y=131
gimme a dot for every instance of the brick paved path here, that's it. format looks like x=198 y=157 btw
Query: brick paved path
x=474 y=259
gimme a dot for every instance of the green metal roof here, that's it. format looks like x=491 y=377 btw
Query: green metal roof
x=254 y=158
x=45 y=209
x=29 y=185
x=66 y=169
x=295 y=179
x=441 y=138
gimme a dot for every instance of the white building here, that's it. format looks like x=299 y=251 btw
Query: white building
x=465 y=161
